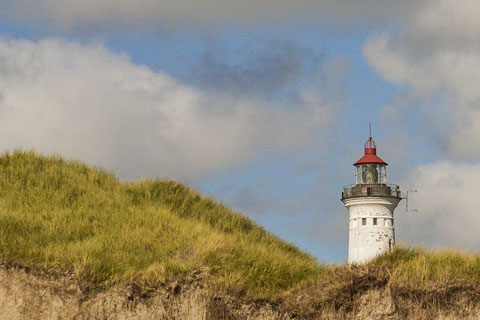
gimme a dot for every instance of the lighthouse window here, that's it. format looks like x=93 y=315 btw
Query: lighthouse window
x=374 y=221
x=383 y=174
x=358 y=175
x=369 y=173
x=364 y=221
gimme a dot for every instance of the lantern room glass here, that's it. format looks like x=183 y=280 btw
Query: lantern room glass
x=371 y=173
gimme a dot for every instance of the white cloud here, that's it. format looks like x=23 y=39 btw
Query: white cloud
x=435 y=60
x=450 y=21
x=109 y=14
x=438 y=55
x=85 y=102
x=447 y=203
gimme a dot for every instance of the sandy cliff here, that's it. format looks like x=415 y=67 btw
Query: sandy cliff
x=27 y=293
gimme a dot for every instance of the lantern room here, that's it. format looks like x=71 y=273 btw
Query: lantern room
x=370 y=169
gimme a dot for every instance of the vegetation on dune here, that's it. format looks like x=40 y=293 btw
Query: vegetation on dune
x=65 y=214
x=420 y=268
x=418 y=281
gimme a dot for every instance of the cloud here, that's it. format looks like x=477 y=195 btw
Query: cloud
x=71 y=14
x=435 y=62
x=447 y=202
x=265 y=71
x=85 y=102
x=437 y=58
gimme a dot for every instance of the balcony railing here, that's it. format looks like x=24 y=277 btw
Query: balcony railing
x=371 y=190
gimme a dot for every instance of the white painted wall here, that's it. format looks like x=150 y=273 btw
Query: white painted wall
x=368 y=241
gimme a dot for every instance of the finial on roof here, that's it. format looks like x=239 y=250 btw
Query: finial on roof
x=370 y=152
x=370 y=144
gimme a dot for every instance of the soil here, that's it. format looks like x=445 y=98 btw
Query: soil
x=39 y=293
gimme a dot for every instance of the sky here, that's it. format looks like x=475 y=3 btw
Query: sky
x=263 y=105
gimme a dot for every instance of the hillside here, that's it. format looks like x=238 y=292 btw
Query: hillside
x=65 y=214
x=96 y=247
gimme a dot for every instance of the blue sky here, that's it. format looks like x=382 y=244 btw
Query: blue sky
x=262 y=105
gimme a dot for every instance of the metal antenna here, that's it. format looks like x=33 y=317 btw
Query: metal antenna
x=406 y=202
x=370 y=125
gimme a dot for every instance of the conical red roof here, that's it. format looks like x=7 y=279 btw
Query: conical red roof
x=370 y=154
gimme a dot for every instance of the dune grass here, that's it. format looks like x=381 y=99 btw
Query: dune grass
x=66 y=214
x=417 y=267
x=420 y=283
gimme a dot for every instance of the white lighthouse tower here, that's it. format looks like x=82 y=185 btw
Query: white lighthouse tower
x=370 y=203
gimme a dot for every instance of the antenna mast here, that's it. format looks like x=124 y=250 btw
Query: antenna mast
x=406 y=202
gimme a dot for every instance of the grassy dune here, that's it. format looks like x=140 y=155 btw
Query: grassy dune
x=65 y=214
x=420 y=283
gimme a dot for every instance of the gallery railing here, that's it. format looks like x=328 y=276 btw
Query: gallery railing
x=371 y=190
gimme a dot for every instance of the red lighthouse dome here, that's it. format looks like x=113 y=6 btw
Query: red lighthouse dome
x=370 y=154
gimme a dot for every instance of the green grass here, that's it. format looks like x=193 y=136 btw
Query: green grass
x=66 y=214
x=416 y=267
x=421 y=284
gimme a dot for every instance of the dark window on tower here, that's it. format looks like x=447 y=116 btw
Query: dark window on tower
x=374 y=221
x=364 y=221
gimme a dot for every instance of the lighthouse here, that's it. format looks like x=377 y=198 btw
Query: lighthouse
x=370 y=203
